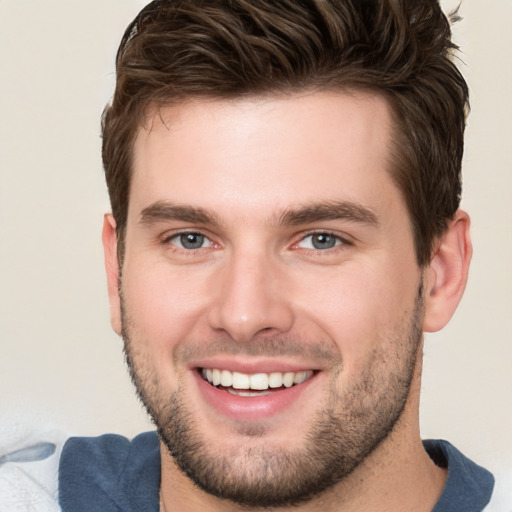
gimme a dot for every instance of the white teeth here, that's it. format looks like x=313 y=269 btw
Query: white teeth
x=226 y=378
x=259 y=381
x=275 y=380
x=215 y=379
x=300 y=377
x=240 y=380
x=244 y=392
x=255 y=381
x=288 y=379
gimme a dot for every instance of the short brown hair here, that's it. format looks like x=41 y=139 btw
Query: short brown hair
x=177 y=49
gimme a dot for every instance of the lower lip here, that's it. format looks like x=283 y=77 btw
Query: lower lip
x=251 y=408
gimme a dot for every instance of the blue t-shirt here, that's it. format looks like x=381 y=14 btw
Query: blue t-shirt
x=112 y=474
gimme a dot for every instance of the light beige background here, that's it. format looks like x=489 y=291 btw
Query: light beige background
x=60 y=364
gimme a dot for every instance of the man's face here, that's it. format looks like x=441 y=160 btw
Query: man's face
x=266 y=246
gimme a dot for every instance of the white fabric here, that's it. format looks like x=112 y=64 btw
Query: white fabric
x=501 y=500
x=31 y=486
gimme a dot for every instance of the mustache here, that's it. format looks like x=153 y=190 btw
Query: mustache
x=270 y=347
x=317 y=351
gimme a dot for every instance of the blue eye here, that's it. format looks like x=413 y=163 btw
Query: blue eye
x=190 y=241
x=320 y=241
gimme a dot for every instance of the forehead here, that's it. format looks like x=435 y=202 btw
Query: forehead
x=266 y=152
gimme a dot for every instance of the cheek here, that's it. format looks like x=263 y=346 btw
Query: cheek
x=163 y=306
x=359 y=306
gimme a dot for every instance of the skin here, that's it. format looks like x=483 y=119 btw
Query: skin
x=257 y=279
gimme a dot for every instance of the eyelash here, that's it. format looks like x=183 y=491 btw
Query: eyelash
x=168 y=240
x=338 y=240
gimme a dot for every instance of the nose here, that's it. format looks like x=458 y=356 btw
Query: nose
x=252 y=298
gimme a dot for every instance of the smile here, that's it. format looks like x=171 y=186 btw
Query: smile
x=255 y=395
x=234 y=382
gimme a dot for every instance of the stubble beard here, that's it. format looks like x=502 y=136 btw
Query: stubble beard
x=257 y=475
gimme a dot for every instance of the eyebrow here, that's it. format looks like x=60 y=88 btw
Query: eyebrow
x=162 y=211
x=332 y=210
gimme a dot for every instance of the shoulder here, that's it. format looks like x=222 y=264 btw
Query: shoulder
x=468 y=487
x=110 y=451
x=110 y=473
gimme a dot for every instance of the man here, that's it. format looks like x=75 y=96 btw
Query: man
x=285 y=181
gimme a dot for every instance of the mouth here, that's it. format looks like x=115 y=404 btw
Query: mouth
x=253 y=394
x=255 y=384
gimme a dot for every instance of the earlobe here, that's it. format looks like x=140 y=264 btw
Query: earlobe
x=109 y=238
x=446 y=276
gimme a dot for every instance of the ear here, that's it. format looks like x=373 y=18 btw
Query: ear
x=109 y=238
x=447 y=273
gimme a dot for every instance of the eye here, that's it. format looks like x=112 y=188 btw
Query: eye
x=320 y=241
x=190 y=241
